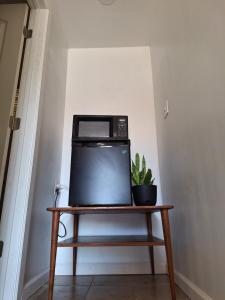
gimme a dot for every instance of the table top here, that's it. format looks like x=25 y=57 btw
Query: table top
x=110 y=209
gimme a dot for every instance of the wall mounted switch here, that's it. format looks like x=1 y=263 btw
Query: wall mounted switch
x=166 y=109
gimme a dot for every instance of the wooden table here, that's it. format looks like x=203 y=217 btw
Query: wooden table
x=101 y=241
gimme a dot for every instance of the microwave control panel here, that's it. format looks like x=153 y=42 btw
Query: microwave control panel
x=120 y=127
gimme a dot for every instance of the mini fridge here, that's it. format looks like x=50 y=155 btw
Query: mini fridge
x=100 y=174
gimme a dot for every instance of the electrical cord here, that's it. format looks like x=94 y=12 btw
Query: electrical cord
x=64 y=227
x=57 y=194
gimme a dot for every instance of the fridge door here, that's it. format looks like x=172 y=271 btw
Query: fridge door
x=100 y=174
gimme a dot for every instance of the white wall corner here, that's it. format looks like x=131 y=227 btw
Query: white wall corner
x=191 y=290
x=34 y=284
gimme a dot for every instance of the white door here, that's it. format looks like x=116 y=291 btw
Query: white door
x=13 y=19
x=16 y=208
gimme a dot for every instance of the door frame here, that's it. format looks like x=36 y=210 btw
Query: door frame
x=16 y=204
x=12 y=110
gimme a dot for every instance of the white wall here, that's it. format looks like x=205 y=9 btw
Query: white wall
x=111 y=81
x=189 y=71
x=48 y=152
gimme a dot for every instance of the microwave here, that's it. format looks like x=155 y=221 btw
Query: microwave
x=94 y=127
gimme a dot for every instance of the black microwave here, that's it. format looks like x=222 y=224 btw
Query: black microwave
x=96 y=127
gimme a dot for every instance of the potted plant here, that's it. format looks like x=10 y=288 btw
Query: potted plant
x=144 y=191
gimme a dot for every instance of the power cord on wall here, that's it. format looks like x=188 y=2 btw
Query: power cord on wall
x=57 y=194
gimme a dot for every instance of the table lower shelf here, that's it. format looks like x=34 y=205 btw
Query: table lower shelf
x=104 y=241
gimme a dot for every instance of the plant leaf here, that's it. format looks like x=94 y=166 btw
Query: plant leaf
x=148 y=177
x=134 y=181
x=135 y=178
x=137 y=161
x=133 y=167
x=143 y=165
x=142 y=176
x=134 y=173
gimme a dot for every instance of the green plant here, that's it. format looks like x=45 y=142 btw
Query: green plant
x=141 y=176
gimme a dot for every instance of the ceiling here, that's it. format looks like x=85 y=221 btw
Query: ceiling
x=88 y=23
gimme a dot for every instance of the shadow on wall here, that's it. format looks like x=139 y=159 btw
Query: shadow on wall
x=190 y=73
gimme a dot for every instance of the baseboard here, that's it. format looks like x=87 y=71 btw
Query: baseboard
x=191 y=290
x=109 y=268
x=35 y=284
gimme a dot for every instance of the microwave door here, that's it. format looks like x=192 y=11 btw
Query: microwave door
x=94 y=129
x=100 y=175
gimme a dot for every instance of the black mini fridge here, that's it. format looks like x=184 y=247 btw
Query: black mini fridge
x=100 y=174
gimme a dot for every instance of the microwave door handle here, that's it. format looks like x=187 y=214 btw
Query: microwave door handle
x=91 y=145
x=98 y=145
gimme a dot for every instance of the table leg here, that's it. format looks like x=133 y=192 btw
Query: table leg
x=151 y=249
x=75 y=235
x=168 y=245
x=54 y=240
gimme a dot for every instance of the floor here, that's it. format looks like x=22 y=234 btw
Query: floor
x=128 y=287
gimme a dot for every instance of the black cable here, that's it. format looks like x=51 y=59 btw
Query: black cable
x=65 y=231
x=57 y=194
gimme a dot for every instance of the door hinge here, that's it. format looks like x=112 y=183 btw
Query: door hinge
x=27 y=33
x=14 y=123
x=1 y=248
